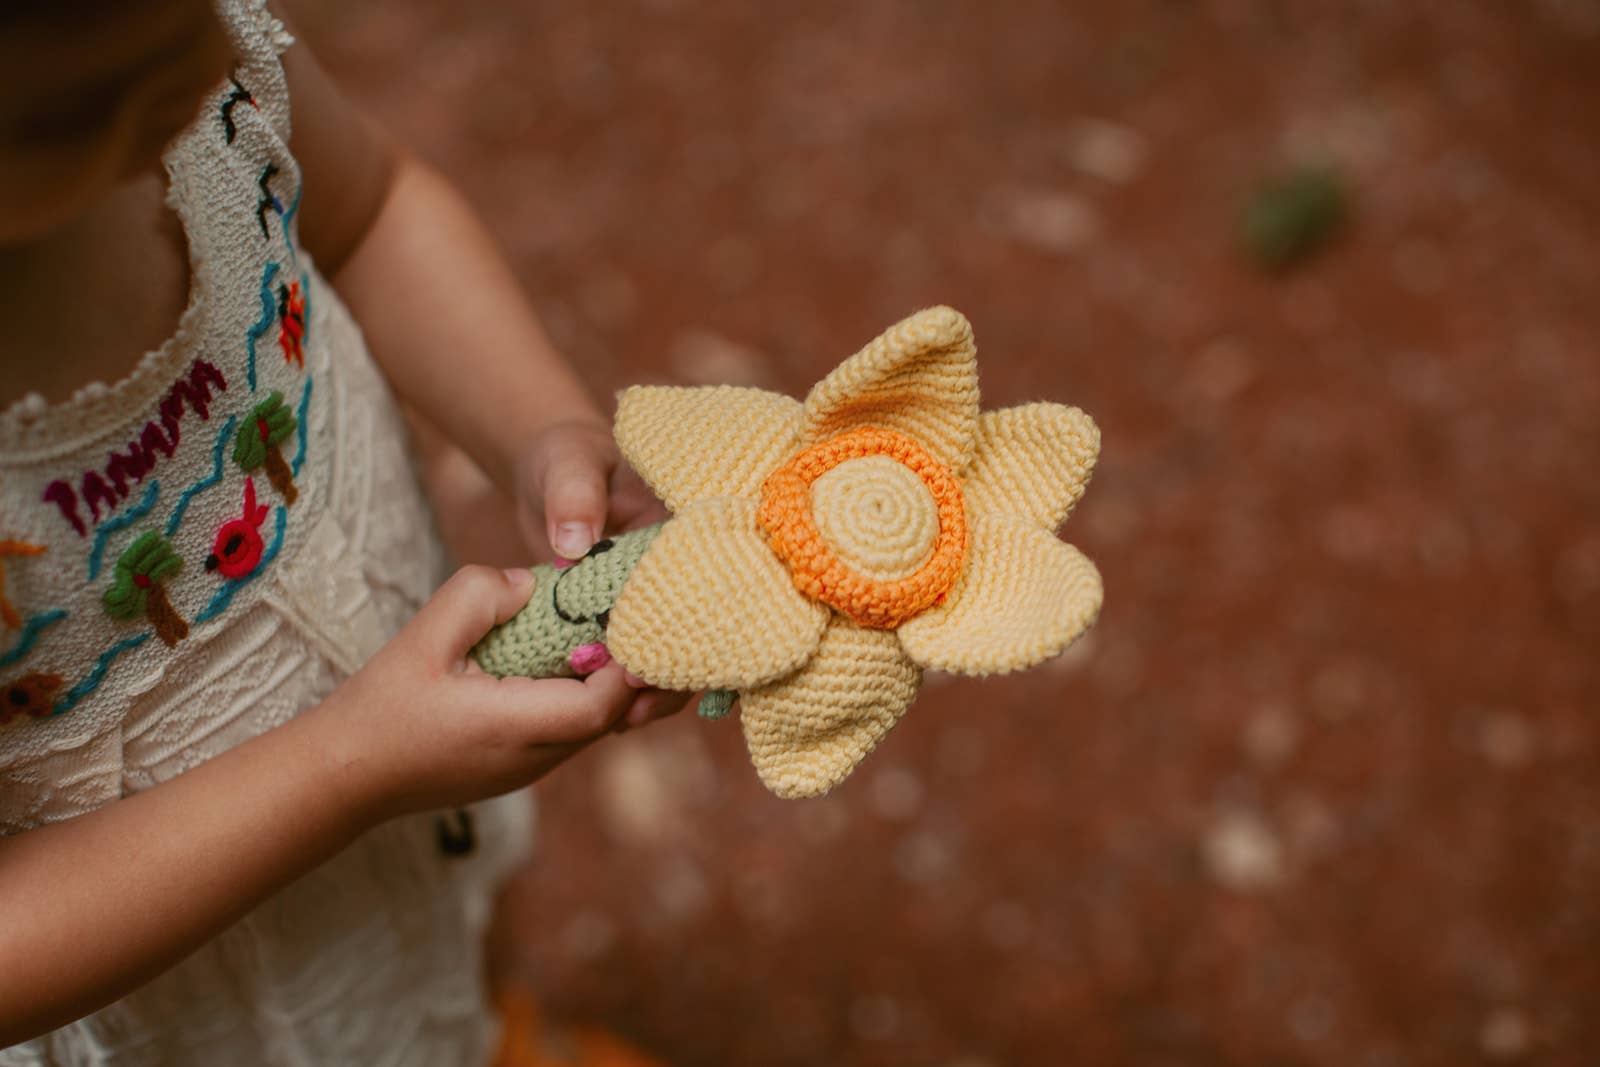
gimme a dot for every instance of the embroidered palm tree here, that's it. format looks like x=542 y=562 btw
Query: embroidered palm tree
x=139 y=587
x=256 y=444
x=8 y=612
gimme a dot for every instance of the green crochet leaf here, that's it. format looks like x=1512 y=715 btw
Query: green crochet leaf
x=716 y=703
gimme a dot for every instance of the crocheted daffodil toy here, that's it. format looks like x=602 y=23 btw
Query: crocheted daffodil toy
x=822 y=554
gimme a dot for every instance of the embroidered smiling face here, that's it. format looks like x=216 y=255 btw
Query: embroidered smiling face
x=822 y=554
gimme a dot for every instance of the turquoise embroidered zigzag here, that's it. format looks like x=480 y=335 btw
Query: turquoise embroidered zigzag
x=111 y=526
x=208 y=481
x=269 y=314
x=31 y=629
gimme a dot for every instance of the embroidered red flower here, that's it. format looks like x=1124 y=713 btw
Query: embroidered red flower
x=237 y=548
x=292 y=323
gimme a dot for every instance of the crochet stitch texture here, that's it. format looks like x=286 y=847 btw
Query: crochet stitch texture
x=791 y=602
x=374 y=956
x=821 y=555
x=568 y=611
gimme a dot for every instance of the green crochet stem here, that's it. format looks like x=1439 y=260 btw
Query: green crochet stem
x=567 y=614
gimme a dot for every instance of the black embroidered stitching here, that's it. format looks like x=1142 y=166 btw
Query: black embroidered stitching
x=239 y=95
x=605 y=544
x=267 y=199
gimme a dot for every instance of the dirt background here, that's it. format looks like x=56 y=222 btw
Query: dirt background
x=1322 y=786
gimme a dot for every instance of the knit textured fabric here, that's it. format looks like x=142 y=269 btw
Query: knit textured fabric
x=822 y=554
x=201 y=550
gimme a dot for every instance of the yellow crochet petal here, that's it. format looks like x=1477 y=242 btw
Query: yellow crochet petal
x=808 y=731
x=694 y=444
x=1033 y=461
x=919 y=377
x=710 y=607
x=1023 y=598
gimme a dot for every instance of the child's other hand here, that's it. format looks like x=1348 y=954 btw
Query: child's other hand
x=421 y=726
x=572 y=487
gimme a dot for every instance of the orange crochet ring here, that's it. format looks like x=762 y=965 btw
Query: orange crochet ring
x=786 y=517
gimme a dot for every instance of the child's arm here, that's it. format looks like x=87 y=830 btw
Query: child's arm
x=93 y=907
x=448 y=321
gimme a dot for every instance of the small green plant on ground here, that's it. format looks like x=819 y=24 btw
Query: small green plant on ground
x=1294 y=215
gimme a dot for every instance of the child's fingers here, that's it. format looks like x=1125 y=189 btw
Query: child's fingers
x=610 y=695
x=474 y=599
x=568 y=710
x=572 y=485
x=653 y=704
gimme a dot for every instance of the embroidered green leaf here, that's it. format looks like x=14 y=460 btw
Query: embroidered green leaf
x=249 y=451
x=268 y=423
x=138 y=586
x=255 y=445
x=124 y=600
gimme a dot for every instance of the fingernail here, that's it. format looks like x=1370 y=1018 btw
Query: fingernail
x=586 y=659
x=638 y=715
x=518 y=575
x=634 y=680
x=561 y=563
x=573 y=539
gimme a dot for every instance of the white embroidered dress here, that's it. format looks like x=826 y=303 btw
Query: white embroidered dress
x=163 y=501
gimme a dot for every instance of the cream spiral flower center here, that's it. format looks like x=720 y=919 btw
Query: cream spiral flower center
x=877 y=515
x=868 y=544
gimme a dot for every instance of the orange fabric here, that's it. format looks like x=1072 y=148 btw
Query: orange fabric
x=786 y=518
x=526 y=1040
x=8 y=614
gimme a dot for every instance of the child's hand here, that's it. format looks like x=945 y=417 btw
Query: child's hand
x=91 y=907
x=421 y=726
x=572 y=487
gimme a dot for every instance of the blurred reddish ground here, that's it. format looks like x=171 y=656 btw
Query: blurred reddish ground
x=1322 y=788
